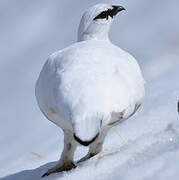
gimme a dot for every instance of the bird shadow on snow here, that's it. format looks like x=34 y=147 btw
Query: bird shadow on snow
x=34 y=174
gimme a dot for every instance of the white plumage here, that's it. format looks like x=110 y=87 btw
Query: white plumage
x=91 y=84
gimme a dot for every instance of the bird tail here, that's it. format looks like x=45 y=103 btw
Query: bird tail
x=86 y=129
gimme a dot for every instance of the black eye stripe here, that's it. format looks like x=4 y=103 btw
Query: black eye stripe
x=106 y=14
x=102 y=15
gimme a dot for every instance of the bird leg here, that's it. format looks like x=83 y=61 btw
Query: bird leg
x=95 y=147
x=66 y=162
x=92 y=152
x=88 y=156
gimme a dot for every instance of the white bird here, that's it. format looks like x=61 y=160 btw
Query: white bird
x=90 y=86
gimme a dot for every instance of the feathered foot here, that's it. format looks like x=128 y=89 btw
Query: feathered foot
x=88 y=156
x=60 y=168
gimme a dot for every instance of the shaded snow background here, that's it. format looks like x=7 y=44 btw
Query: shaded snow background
x=29 y=144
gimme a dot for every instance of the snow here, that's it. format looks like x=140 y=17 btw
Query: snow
x=144 y=147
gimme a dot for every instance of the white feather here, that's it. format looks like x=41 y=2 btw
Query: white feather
x=82 y=85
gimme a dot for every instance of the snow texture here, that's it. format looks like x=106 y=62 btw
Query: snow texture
x=144 y=147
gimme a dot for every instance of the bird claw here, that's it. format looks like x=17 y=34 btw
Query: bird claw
x=45 y=174
x=88 y=156
x=61 y=168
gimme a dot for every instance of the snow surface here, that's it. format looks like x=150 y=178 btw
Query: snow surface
x=144 y=147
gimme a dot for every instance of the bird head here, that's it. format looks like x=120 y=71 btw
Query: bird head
x=96 y=21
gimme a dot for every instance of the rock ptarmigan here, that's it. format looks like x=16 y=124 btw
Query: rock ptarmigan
x=90 y=86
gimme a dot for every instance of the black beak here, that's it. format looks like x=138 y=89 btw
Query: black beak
x=117 y=9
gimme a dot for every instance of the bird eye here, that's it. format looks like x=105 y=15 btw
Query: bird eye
x=103 y=15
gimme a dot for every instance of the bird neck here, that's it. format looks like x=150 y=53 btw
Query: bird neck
x=94 y=31
x=94 y=36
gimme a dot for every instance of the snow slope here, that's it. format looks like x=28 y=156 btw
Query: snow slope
x=144 y=147
x=29 y=144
